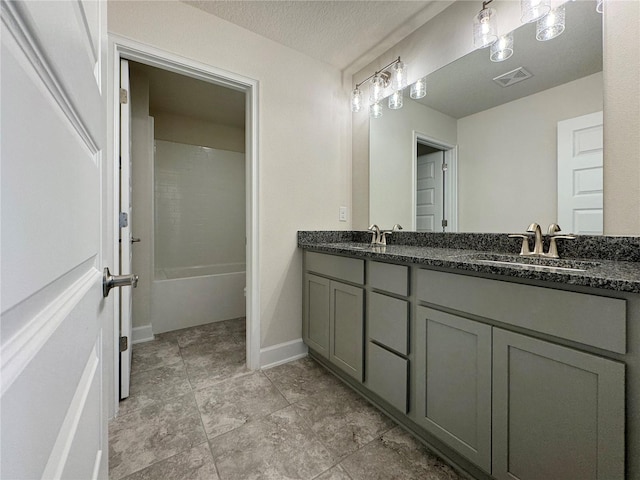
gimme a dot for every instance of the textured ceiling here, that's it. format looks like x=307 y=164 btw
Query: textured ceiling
x=345 y=34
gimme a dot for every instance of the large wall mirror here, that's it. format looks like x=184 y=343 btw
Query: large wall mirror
x=494 y=146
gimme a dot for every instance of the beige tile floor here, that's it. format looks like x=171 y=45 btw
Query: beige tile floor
x=196 y=413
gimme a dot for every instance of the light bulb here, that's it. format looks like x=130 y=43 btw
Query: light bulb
x=395 y=100
x=399 y=76
x=485 y=28
x=551 y=25
x=532 y=10
x=502 y=49
x=356 y=100
x=376 y=89
x=418 y=89
x=375 y=110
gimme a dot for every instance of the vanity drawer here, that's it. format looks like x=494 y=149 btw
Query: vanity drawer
x=387 y=376
x=389 y=322
x=389 y=277
x=343 y=268
x=584 y=318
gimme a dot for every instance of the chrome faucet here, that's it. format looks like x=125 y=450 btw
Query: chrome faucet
x=375 y=238
x=538 y=246
x=383 y=235
x=554 y=228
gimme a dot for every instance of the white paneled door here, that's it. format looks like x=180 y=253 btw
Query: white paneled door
x=52 y=240
x=126 y=299
x=429 y=188
x=580 y=192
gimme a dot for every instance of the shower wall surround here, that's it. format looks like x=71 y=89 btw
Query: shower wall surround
x=199 y=206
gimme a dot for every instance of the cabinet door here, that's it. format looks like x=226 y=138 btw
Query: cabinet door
x=315 y=331
x=346 y=328
x=453 y=382
x=557 y=413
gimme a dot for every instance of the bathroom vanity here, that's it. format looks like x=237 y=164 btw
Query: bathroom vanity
x=508 y=371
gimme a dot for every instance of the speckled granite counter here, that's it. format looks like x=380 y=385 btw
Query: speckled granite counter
x=601 y=256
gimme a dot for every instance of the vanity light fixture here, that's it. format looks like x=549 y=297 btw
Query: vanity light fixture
x=375 y=110
x=399 y=76
x=502 y=48
x=380 y=81
x=485 y=26
x=533 y=10
x=376 y=89
x=395 y=100
x=551 y=25
x=418 y=89
x=356 y=100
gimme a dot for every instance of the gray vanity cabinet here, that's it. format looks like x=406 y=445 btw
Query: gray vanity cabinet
x=558 y=413
x=346 y=324
x=387 y=372
x=316 y=313
x=333 y=311
x=453 y=382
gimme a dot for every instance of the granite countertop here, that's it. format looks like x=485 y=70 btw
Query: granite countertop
x=622 y=276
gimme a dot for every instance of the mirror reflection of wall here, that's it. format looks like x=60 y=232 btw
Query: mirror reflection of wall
x=506 y=137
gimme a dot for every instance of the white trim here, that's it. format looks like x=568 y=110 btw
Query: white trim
x=96 y=466
x=20 y=349
x=121 y=47
x=283 y=353
x=141 y=334
x=67 y=434
x=451 y=178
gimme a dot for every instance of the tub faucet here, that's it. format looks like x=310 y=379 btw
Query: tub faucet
x=375 y=238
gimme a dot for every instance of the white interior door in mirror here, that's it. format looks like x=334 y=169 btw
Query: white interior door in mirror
x=429 y=192
x=580 y=192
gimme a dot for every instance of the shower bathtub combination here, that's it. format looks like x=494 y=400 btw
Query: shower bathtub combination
x=189 y=296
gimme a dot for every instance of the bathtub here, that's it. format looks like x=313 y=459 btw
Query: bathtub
x=188 y=296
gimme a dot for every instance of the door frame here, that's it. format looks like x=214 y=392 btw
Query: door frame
x=121 y=47
x=450 y=180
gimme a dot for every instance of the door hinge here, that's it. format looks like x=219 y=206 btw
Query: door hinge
x=444 y=167
x=124 y=96
x=124 y=219
x=124 y=344
x=444 y=223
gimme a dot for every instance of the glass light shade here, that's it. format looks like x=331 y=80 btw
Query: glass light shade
x=502 y=49
x=600 y=6
x=418 y=89
x=395 y=100
x=551 y=25
x=532 y=10
x=485 y=27
x=356 y=100
x=399 y=76
x=376 y=89
x=375 y=110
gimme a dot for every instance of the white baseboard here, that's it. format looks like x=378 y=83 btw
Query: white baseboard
x=141 y=334
x=282 y=353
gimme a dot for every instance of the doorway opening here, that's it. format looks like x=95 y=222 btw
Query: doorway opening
x=434 y=205
x=198 y=183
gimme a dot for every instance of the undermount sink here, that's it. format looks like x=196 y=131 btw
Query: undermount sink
x=537 y=263
x=360 y=247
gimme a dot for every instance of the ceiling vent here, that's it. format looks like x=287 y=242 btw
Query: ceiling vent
x=514 y=76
